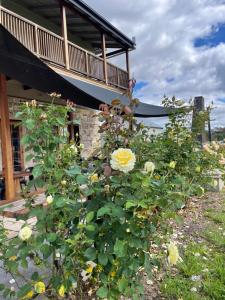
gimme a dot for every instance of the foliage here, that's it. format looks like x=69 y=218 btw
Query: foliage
x=92 y=237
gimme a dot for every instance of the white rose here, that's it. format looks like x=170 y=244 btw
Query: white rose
x=25 y=233
x=149 y=167
x=49 y=199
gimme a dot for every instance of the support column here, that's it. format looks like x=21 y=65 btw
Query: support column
x=65 y=36
x=128 y=63
x=104 y=58
x=199 y=128
x=6 y=140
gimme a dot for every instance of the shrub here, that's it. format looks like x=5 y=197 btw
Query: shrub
x=93 y=235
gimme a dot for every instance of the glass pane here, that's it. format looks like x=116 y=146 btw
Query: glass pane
x=15 y=136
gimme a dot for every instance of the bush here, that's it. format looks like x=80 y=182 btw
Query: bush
x=93 y=235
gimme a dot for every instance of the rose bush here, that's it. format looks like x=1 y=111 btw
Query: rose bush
x=92 y=237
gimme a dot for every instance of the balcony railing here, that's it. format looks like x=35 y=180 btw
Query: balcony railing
x=51 y=48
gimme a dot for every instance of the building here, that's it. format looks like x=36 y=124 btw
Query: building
x=60 y=46
x=153 y=128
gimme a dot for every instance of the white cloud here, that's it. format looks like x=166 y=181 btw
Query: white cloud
x=165 y=57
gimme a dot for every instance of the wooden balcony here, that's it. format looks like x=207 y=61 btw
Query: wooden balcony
x=56 y=50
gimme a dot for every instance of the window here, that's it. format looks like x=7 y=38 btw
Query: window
x=16 y=146
x=17 y=154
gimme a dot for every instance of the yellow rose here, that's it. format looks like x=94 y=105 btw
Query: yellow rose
x=173 y=254
x=61 y=291
x=49 y=199
x=91 y=266
x=29 y=295
x=94 y=178
x=73 y=148
x=13 y=258
x=112 y=274
x=25 y=233
x=172 y=164
x=123 y=160
x=107 y=188
x=39 y=287
x=63 y=182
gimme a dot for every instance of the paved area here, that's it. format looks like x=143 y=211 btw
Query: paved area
x=11 y=224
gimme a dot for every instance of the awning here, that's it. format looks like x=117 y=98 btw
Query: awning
x=106 y=96
x=20 y=64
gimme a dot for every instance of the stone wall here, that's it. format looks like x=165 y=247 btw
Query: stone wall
x=88 y=128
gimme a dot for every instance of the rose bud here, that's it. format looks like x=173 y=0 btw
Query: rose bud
x=127 y=110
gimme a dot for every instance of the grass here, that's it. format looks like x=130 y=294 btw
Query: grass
x=201 y=275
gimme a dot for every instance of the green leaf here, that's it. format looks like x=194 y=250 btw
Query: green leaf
x=37 y=171
x=46 y=251
x=29 y=157
x=117 y=212
x=35 y=276
x=120 y=248
x=102 y=259
x=90 y=227
x=105 y=210
x=51 y=237
x=18 y=114
x=2 y=287
x=90 y=253
x=25 y=140
x=24 y=290
x=59 y=202
x=122 y=284
x=81 y=179
x=73 y=171
x=90 y=216
x=130 y=204
x=102 y=292
x=30 y=124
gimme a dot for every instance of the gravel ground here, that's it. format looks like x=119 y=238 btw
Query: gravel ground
x=188 y=231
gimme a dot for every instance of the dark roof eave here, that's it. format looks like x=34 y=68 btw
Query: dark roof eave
x=102 y=22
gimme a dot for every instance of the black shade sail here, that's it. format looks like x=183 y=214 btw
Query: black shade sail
x=22 y=65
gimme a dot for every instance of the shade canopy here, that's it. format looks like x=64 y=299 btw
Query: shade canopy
x=20 y=64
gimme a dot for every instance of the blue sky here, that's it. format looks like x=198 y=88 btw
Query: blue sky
x=216 y=37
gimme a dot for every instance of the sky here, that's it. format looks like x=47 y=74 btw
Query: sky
x=180 y=48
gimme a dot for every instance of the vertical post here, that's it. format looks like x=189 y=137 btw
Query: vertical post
x=128 y=64
x=87 y=63
x=209 y=127
x=104 y=58
x=70 y=126
x=0 y=12
x=6 y=140
x=117 y=77
x=36 y=40
x=199 y=106
x=65 y=36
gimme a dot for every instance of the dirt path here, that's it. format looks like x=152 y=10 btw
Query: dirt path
x=187 y=231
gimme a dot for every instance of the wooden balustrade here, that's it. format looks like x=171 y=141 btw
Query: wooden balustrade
x=117 y=76
x=51 y=47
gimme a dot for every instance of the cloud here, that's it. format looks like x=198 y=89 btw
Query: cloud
x=166 y=58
